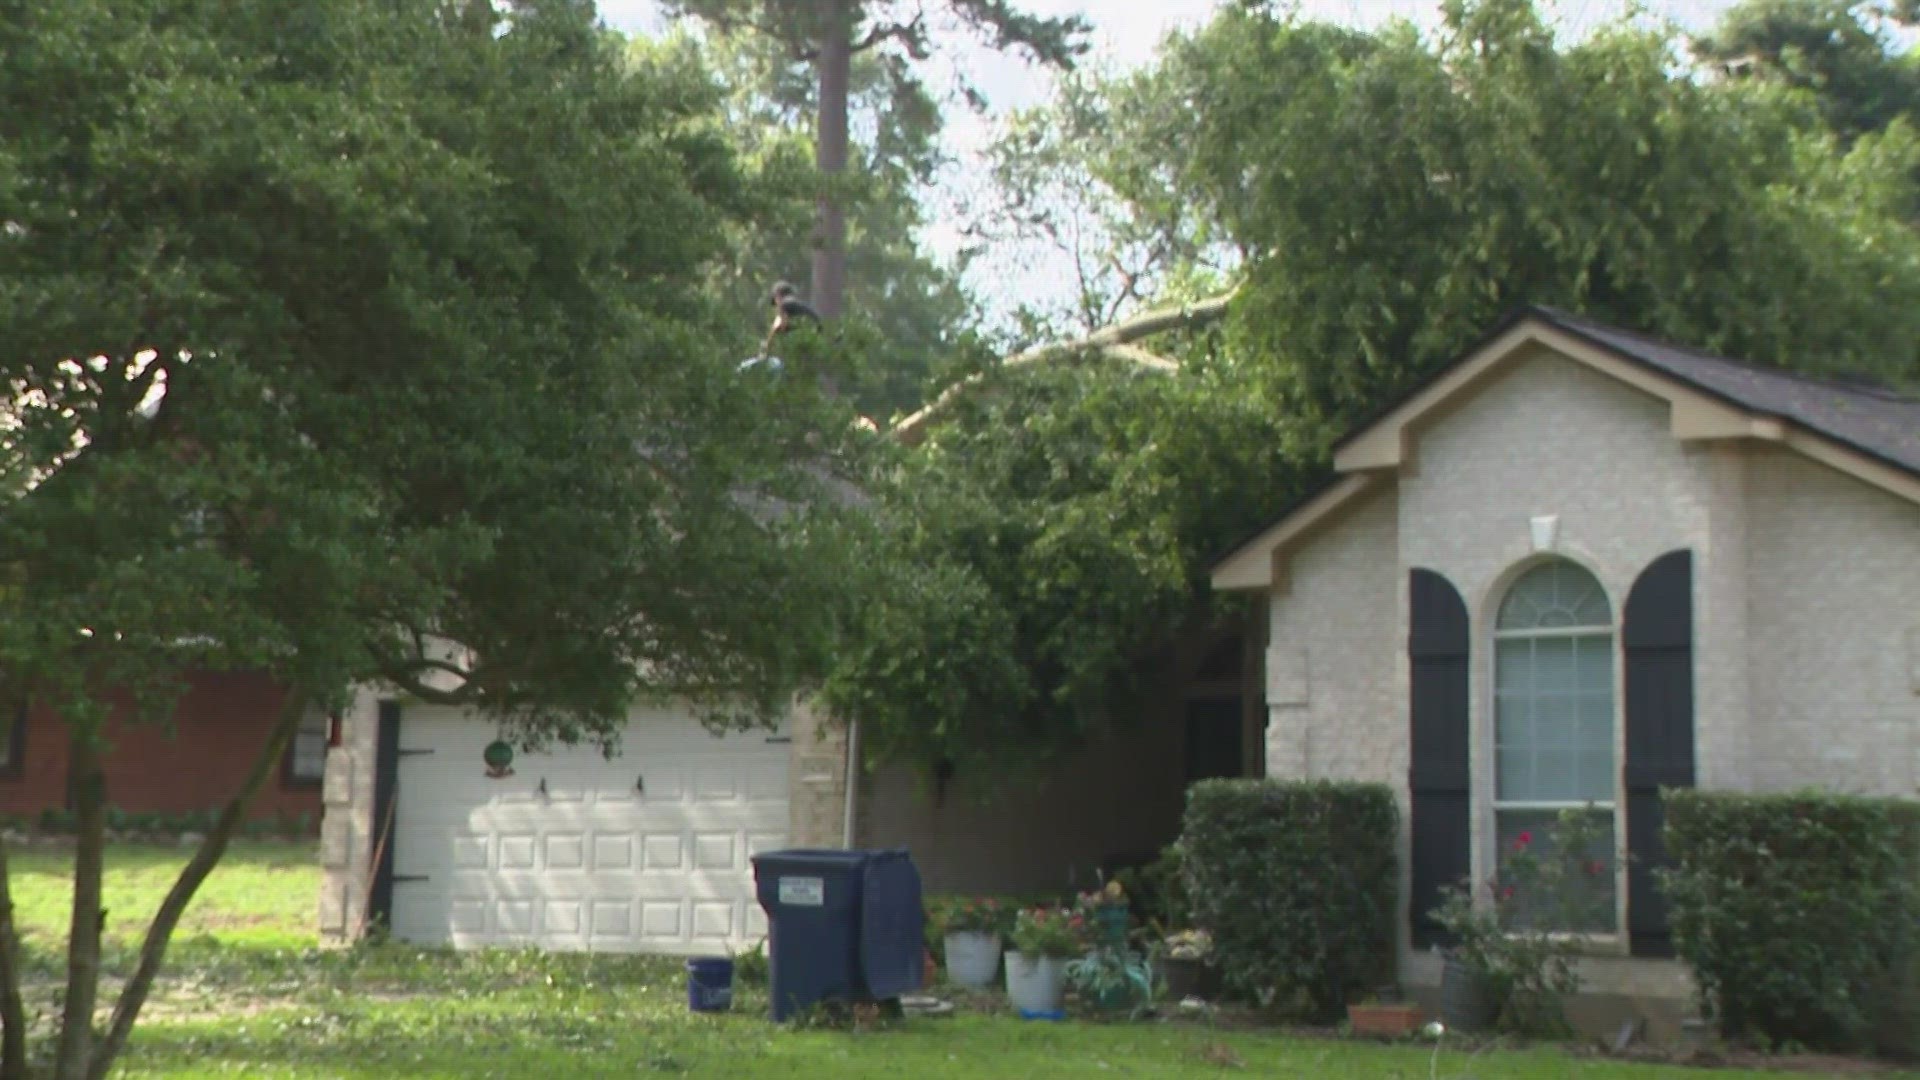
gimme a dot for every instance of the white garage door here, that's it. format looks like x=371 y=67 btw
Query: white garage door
x=646 y=852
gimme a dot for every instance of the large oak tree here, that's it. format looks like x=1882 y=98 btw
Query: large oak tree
x=336 y=329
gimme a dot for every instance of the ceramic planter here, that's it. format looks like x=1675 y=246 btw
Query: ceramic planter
x=1185 y=977
x=1466 y=1002
x=973 y=957
x=1395 y=1021
x=1036 y=984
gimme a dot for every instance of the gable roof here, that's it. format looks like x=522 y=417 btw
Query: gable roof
x=1872 y=420
x=1870 y=432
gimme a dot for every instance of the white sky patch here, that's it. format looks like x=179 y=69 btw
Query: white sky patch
x=1125 y=36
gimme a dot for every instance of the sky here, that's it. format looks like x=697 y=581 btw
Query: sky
x=1125 y=35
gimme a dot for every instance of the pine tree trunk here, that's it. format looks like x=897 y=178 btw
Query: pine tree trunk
x=153 y=950
x=88 y=785
x=13 y=1010
x=830 y=156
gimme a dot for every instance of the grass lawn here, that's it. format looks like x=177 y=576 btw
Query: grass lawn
x=249 y=995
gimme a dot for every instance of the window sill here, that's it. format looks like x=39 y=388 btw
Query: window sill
x=1601 y=946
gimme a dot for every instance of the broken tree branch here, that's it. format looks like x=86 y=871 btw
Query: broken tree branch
x=1116 y=340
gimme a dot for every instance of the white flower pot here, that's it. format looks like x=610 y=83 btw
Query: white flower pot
x=1036 y=984
x=973 y=957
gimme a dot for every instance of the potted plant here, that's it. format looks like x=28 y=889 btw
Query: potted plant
x=1184 y=959
x=972 y=943
x=1512 y=961
x=1043 y=940
x=1112 y=979
x=1106 y=911
x=1384 y=1016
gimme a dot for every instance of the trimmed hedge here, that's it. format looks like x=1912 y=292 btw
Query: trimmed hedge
x=1297 y=884
x=1800 y=915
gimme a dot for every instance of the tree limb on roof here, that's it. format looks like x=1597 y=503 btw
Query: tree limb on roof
x=1116 y=340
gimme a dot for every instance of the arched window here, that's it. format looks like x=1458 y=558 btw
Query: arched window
x=1553 y=729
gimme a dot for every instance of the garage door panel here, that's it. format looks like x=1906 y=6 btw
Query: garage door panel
x=648 y=851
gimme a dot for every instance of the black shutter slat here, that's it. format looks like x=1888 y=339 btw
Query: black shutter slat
x=1657 y=640
x=1439 y=779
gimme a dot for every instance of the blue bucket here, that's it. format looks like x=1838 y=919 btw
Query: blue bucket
x=710 y=984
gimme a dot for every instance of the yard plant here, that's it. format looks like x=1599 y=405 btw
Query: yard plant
x=249 y=995
x=1513 y=934
x=1296 y=882
x=1800 y=915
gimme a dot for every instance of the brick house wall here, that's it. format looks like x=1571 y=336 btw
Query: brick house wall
x=218 y=729
x=1834 y=627
x=1806 y=601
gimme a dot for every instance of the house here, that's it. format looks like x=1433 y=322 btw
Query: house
x=1578 y=565
x=649 y=851
x=194 y=762
x=566 y=848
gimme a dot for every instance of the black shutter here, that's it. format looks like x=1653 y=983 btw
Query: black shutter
x=1441 y=819
x=1657 y=640
x=386 y=773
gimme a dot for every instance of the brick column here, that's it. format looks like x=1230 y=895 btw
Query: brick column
x=346 y=822
x=817 y=780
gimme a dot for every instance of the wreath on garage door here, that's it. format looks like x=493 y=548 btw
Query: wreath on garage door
x=499 y=758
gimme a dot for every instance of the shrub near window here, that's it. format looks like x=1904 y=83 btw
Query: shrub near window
x=1799 y=914
x=1297 y=884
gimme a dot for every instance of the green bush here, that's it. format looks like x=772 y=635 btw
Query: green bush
x=1297 y=883
x=1157 y=891
x=1799 y=914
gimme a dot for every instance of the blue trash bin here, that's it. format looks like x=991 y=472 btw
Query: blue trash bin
x=841 y=926
x=710 y=984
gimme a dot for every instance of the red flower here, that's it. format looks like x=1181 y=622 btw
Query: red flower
x=1523 y=839
x=1594 y=867
x=1506 y=893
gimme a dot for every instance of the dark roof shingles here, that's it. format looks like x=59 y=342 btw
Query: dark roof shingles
x=1878 y=422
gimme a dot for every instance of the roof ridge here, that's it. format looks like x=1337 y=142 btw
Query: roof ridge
x=1581 y=323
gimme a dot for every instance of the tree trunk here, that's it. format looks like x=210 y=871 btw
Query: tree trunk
x=830 y=156
x=13 y=1011
x=88 y=786
x=153 y=950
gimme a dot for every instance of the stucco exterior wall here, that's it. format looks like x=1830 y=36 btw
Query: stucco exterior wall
x=1835 y=601
x=1121 y=797
x=1334 y=646
x=1806 y=599
x=1550 y=439
x=1548 y=459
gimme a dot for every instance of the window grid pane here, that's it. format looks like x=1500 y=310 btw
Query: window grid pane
x=310 y=748
x=1585 y=897
x=1556 y=594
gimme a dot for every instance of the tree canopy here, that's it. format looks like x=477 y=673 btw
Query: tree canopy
x=1382 y=198
x=336 y=332
x=827 y=36
x=1840 y=51
x=910 y=313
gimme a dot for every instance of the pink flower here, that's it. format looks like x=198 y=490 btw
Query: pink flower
x=1523 y=839
x=1506 y=893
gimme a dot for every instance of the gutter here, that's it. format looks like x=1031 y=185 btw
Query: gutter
x=852 y=775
